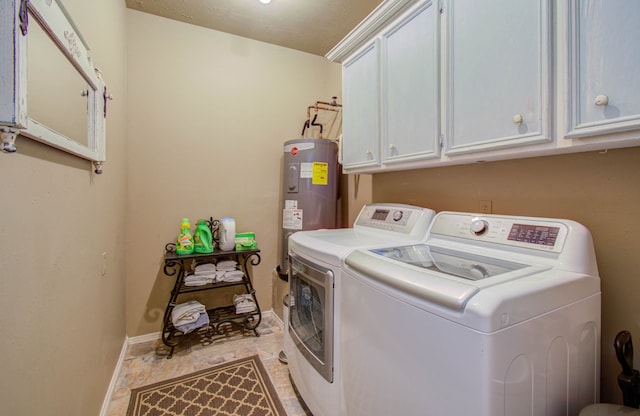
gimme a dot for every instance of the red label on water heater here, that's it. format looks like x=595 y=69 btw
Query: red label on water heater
x=294 y=151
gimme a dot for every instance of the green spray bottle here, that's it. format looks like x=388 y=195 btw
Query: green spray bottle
x=184 y=243
x=203 y=238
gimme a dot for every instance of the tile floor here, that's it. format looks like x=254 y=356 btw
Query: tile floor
x=146 y=363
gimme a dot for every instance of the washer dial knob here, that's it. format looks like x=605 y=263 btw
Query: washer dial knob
x=479 y=227
x=397 y=215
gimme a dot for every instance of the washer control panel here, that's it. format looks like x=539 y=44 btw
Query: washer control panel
x=533 y=233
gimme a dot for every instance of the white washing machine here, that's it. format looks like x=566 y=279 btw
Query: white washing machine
x=316 y=259
x=490 y=316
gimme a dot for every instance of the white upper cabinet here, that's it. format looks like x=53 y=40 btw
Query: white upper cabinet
x=361 y=109
x=391 y=109
x=390 y=86
x=410 y=86
x=497 y=74
x=431 y=83
x=603 y=67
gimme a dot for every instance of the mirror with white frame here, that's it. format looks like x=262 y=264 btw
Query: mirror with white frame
x=49 y=88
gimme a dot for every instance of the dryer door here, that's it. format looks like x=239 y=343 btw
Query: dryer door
x=311 y=313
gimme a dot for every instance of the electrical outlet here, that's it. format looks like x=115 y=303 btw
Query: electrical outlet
x=486 y=206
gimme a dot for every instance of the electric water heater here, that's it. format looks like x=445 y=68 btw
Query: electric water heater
x=310 y=178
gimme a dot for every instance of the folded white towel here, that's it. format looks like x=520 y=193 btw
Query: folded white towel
x=203 y=320
x=210 y=275
x=245 y=297
x=199 y=282
x=204 y=268
x=186 y=312
x=245 y=308
x=232 y=276
x=226 y=265
x=200 y=279
x=244 y=303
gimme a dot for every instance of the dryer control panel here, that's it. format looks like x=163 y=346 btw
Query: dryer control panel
x=398 y=218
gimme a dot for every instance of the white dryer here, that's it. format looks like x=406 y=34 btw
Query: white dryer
x=316 y=259
x=490 y=316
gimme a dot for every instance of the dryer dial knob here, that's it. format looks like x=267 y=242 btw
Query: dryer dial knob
x=397 y=215
x=479 y=227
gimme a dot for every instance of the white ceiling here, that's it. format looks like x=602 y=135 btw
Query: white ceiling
x=313 y=26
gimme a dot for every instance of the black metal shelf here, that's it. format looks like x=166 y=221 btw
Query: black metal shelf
x=221 y=318
x=171 y=254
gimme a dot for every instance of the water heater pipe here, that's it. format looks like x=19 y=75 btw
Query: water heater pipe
x=317 y=108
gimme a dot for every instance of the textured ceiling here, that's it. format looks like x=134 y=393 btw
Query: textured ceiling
x=313 y=26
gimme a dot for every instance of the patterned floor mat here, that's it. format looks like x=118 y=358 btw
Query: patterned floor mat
x=240 y=387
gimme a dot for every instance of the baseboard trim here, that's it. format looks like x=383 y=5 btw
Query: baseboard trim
x=145 y=338
x=275 y=318
x=114 y=378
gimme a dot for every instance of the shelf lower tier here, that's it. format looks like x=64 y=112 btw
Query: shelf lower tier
x=221 y=320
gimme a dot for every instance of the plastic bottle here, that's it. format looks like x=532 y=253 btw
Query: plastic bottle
x=227 y=233
x=184 y=243
x=203 y=240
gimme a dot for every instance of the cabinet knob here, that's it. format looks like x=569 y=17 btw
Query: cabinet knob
x=517 y=119
x=392 y=149
x=369 y=153
x=601 y=100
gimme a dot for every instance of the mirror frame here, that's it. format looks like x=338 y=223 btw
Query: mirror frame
x=15 y=18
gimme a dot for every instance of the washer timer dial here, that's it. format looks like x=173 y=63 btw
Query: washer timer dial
x=397 y=215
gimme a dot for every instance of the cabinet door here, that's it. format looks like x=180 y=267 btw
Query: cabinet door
x=497 y=77
x=604 y=77
x=410 y=99
x=361 y=109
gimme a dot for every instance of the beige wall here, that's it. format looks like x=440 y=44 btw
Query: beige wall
x=62 y=320
x=203 y=137
x=208 y=115
x=600 y=190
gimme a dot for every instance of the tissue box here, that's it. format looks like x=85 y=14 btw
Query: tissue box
x=246 y=241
